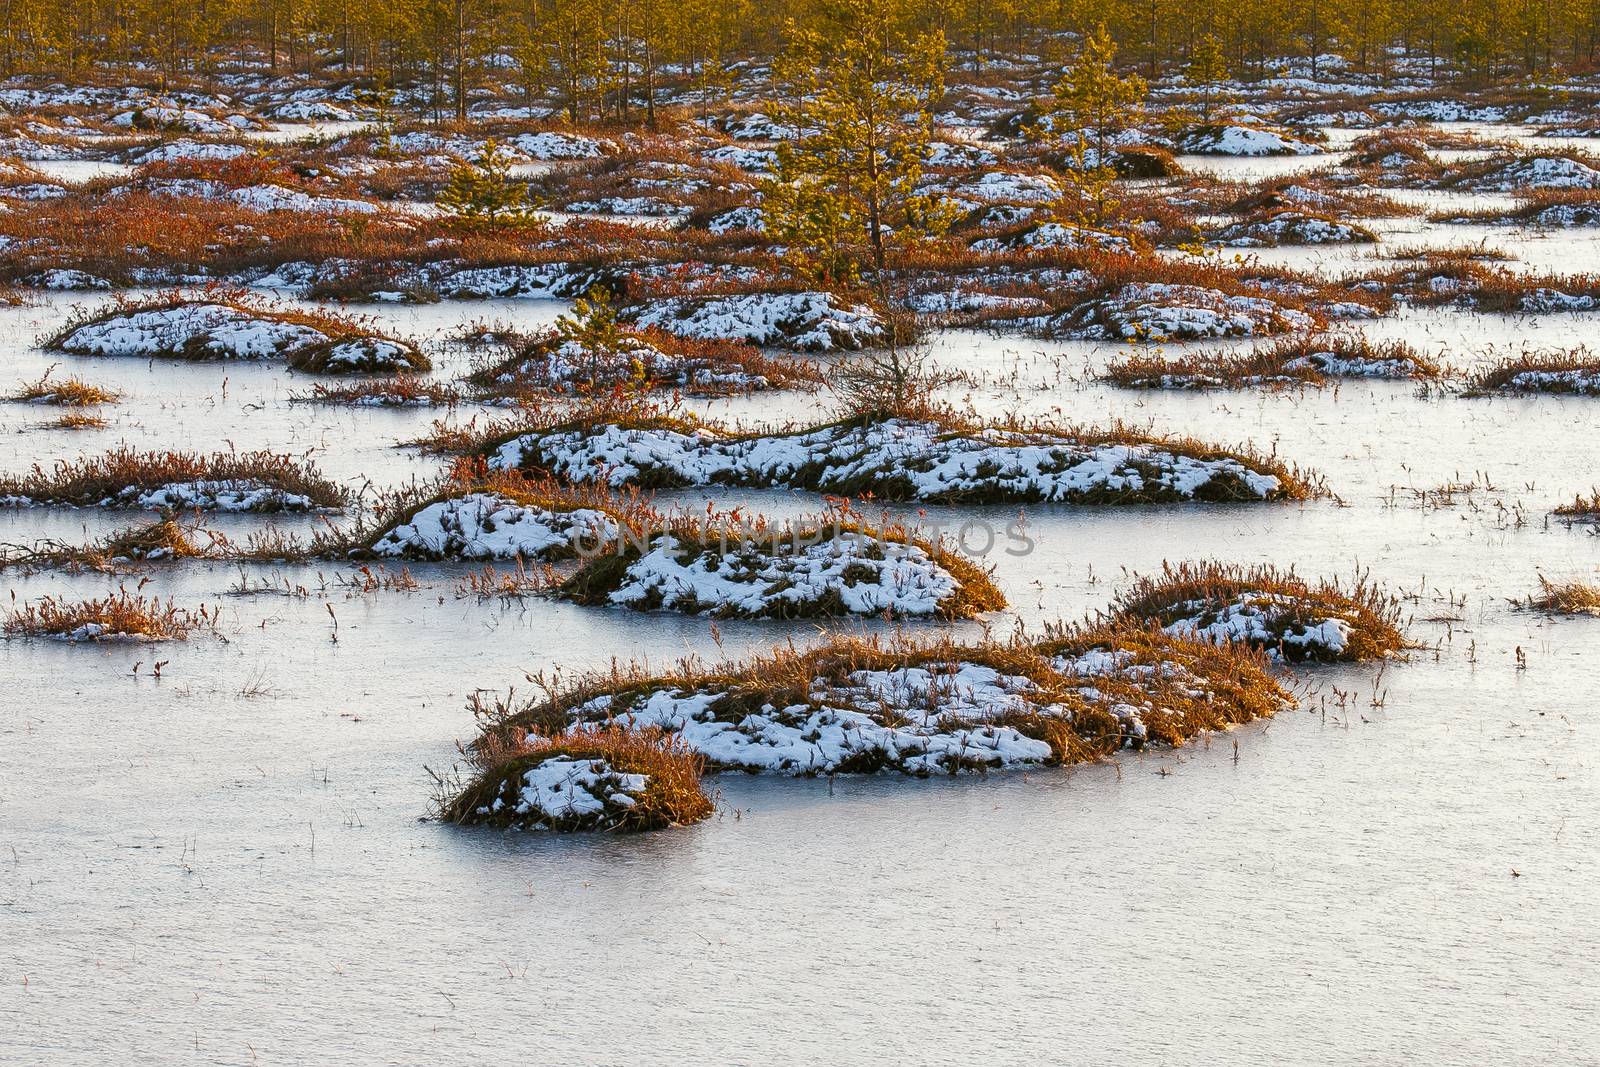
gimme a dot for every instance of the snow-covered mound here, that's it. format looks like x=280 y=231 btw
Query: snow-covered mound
x=1268 y=620
x=186 y=148
x=1272 y=610
x=563 y=364
x=961 y=711
x=806 y=322
x=561 y=793
x=541 y=281
x=198 y=331
x=1576 y=381
x=225 y=494
x=1234 y=140
x=205 y=330
x=1158 y=311
x=1538 y=172
x=1564 y=216
x=231 y=494
x=1332 y=364
x=171 y=116
x=845 y=573
x=738 y=220
x=552 y=145
x=490 y=525
x=752 y=160
x=1291 y=227
x=898 y=459
x=1055 y=235
x=280 y=198
x=939 y=718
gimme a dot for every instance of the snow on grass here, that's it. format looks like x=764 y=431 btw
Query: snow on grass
x=807 y=574
x=223 y=481
x=1292 y=227
x=1299 y=360
x=215 y=330
x=490 y=525
x=541 y=281
x=1055 y=235
x=1277 y=611
x=595 y=779
x=903 y=459
x=1537 y=172
x=854 y=706
x=806 y=322
x=1575 y=373
x=225 y=494
x=196 y=331
x=563 y=364
x=1238 y=140
x=1159 y=311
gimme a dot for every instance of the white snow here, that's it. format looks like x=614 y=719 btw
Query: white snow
x=1157 y=311
x=493 y=526
x=754 y=577
x=896 y=458
x=1245 y=141
x=210 y=330
x=807 y=322
x=560 y=791
x=1266 y=620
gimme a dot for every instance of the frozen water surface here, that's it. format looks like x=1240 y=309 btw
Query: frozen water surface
x=232 y=863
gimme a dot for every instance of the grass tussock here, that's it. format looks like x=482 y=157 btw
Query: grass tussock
x=119 y=616
x=1302 y=359
x=122 y=475
x=399 y=391
x=164 y=539
x=672 y=794
x=64 y=392
x=1270 y=608
x=1575 y=597
x=1086 y=691
x=1582 y=509
x=1576 y=371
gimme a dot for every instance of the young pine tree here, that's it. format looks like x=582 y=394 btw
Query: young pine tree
x=859 y=95
x=484 y=194
x=1207 y=70
x=1092 y=101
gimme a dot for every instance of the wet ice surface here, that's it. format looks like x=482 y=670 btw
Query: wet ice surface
x=229 y=863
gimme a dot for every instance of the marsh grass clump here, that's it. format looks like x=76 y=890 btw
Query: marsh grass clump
x=227 y=481
x=592 y=778
x=1582 y=509
x=397 y=391
x=864 y=705
x=119 y=616
x=64 y=392
x=164 y=539
x=1575 y=373
x=1301 y=360
x=1268 y=608
x=1575 y=597
x=77 y=420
